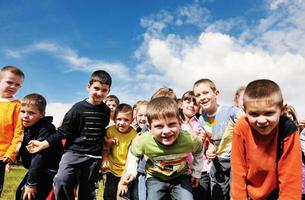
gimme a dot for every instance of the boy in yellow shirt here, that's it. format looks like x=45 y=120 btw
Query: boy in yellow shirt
x=11 y=131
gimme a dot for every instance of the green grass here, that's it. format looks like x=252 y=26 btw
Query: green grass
x=14 y=177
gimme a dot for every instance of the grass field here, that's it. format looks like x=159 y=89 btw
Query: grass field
x=13 y=178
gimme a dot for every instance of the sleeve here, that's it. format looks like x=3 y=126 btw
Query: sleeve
x=290 y=169
x=69 y=126
x=132 y=163
x=197 y=163
x=13 y=150
x=238 y=165
x=303 y=140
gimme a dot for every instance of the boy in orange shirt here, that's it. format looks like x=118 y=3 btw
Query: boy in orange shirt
x=266 y=152
x=11 y=131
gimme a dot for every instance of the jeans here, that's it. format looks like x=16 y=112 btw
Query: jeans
x=179 y=188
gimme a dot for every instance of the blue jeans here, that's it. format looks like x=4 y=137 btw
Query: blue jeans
x=179 y=188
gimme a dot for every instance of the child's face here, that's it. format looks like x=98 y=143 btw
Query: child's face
x=189 y=108
x=97 y=92
x=141 y=117
x=206 y=97
x=263 y=115
x=123 y=121
x=9 y=84
x=165 y=131
x=30 y=115
x=112 y=105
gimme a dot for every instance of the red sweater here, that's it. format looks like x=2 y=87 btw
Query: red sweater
x=254 y=164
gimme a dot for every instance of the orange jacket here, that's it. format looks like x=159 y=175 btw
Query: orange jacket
x=11 y=130
x=255 y=169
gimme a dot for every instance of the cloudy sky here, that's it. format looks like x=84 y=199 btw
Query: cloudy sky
x=147 y=44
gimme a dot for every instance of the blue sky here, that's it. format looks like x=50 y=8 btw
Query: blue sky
x=147 y=44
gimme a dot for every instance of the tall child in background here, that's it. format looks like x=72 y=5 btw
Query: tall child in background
x=166 y=147
x=189 y=111
x=266 y=152
x=112 y=102
x=118 y=139
x=218 y=122
x=42 y=166
x=238 y=97
x=11 y=130
x=84 y=129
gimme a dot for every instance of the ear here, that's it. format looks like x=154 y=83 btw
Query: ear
x=217 y=92
x=43 y=114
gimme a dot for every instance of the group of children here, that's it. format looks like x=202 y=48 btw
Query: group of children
x=165 y=148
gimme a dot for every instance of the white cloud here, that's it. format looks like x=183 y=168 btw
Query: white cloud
x=273 y=49
x=58 y=111
x=71 y=57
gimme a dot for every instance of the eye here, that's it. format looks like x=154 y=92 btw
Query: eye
x=253 y=114
x=269 y=113
x=22 y=111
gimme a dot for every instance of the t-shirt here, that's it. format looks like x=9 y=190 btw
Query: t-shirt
x=118 y=153
x=167 y=162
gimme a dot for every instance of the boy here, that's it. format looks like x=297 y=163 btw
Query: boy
x=11 y=131
x=167 y=148
x=84 y=129
x=45 y=163
x=112 y=102
x=218 y=122
x=118 y=140
x=266 y=152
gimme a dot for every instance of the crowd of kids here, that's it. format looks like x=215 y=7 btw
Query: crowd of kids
x=165 y=148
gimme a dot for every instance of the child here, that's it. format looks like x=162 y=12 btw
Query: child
x=266 y=152
x=218 y=122
x=166 y=147
x=188 y=111
x=45 y=163
x=112 y=102
x=238 y=97
x=84 y=129
x=141 y=116
x=118 y=139
x=11 y=131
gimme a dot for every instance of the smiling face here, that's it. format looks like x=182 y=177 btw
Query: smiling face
x=9 y=84
x=189 y=108
x=30 y=115
x=123 y=121
x=206 y=97
x=263 y=115
x=97 y=92
x=141 y=116
x=165 y=130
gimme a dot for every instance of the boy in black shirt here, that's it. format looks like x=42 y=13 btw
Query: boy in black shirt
x=83 y=128
x=42 y=166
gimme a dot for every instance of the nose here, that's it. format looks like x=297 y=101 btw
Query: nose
x=261 y=120
x=166 y=130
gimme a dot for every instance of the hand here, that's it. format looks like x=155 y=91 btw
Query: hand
x=105 y=165
x=122 y=189
x=29 y=192
x=127 y=178
x=112 y=141
x=211 y=152
x=8 y=167
x=7 y=160
x=36 y=146
x=195 y=182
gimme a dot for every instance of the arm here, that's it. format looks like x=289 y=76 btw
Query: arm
x=197 y=163
x=11 y=153
x=238 y=166
x=290 y=169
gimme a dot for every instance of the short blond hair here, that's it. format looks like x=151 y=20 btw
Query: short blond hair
x=162 y=107
x=207 y=81
x=12 y=69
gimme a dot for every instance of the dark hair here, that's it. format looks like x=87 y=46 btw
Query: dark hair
x=12 y=69
x=35 y=99
x=112 y=98
x=263 y=89
x=162 y=107
x=123 y=107
x=101 y=76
